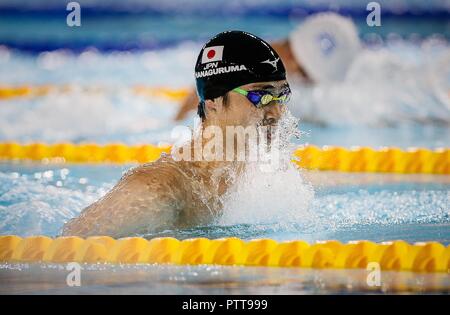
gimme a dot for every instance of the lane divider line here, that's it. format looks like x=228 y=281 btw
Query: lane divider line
x=395 y=255
x=29 y=91
x=327 y=158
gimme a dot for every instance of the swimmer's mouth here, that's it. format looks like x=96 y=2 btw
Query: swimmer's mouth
x=269 y=135
x=269 y=128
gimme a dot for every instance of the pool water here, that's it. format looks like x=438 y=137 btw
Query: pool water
x=102 y=107
x=395 y=94
x=210 y=280
x=38 y=199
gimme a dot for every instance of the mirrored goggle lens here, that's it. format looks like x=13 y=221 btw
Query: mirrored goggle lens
x=260 y=98
x=266 y=99
x=285 y=96
x=263 y=98
x=254 y=97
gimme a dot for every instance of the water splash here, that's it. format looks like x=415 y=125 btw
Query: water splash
x=39 y=202
x=389 y=86
x=393 y=85
x=268 y=195
x=81 y=116
x=93 y=68
x=412 y=215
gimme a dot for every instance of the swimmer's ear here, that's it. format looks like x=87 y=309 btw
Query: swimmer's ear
x=211 y=106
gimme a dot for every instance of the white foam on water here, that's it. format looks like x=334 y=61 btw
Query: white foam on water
x=37 y=204
x=166 y=67
x=279 y=204
x=385 y=86
x=282 y=201
x=271 y=193
x=265 y=197
x=385 y=207
x=88 y=116
x=388 y=86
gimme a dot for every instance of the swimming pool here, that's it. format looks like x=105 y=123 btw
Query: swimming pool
x=37 y=199
x=94 y=76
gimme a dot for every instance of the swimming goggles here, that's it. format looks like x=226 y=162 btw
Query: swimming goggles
x=261 y=98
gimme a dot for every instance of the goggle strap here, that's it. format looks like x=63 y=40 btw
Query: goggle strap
x=241 y=91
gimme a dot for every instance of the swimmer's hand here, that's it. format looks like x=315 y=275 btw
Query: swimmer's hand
x=146 y=199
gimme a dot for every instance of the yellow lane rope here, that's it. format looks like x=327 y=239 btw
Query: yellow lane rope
x=359 y=159
x=81 y=153
x=19 y=91
x=24 y=91
x=395 y=255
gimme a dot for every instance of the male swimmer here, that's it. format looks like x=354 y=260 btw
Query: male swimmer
x=321 y=49
x=241 y=81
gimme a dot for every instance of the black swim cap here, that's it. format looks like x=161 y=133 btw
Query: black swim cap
x=231 y=59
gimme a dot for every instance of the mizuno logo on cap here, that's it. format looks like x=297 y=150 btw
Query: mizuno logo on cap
x=273 y=63
x=213 y=53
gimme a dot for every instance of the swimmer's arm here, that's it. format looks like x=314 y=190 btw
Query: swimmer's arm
x=142 y=202
x=189 y=103
x=293 y=66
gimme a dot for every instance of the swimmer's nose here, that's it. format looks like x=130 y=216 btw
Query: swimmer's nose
x=269 y=121
x=272 y=114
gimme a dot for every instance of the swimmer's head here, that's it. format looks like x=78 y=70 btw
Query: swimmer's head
x=240 y=80
x=325 y=45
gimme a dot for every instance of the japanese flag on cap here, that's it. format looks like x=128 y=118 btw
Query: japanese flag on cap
x=213 y=53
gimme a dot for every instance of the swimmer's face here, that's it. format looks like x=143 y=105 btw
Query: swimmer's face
x=237 y=110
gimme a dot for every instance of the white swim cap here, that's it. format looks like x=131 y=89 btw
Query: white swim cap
x=325 y=45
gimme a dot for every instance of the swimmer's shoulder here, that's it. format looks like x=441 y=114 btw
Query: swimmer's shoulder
x=164 y=171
